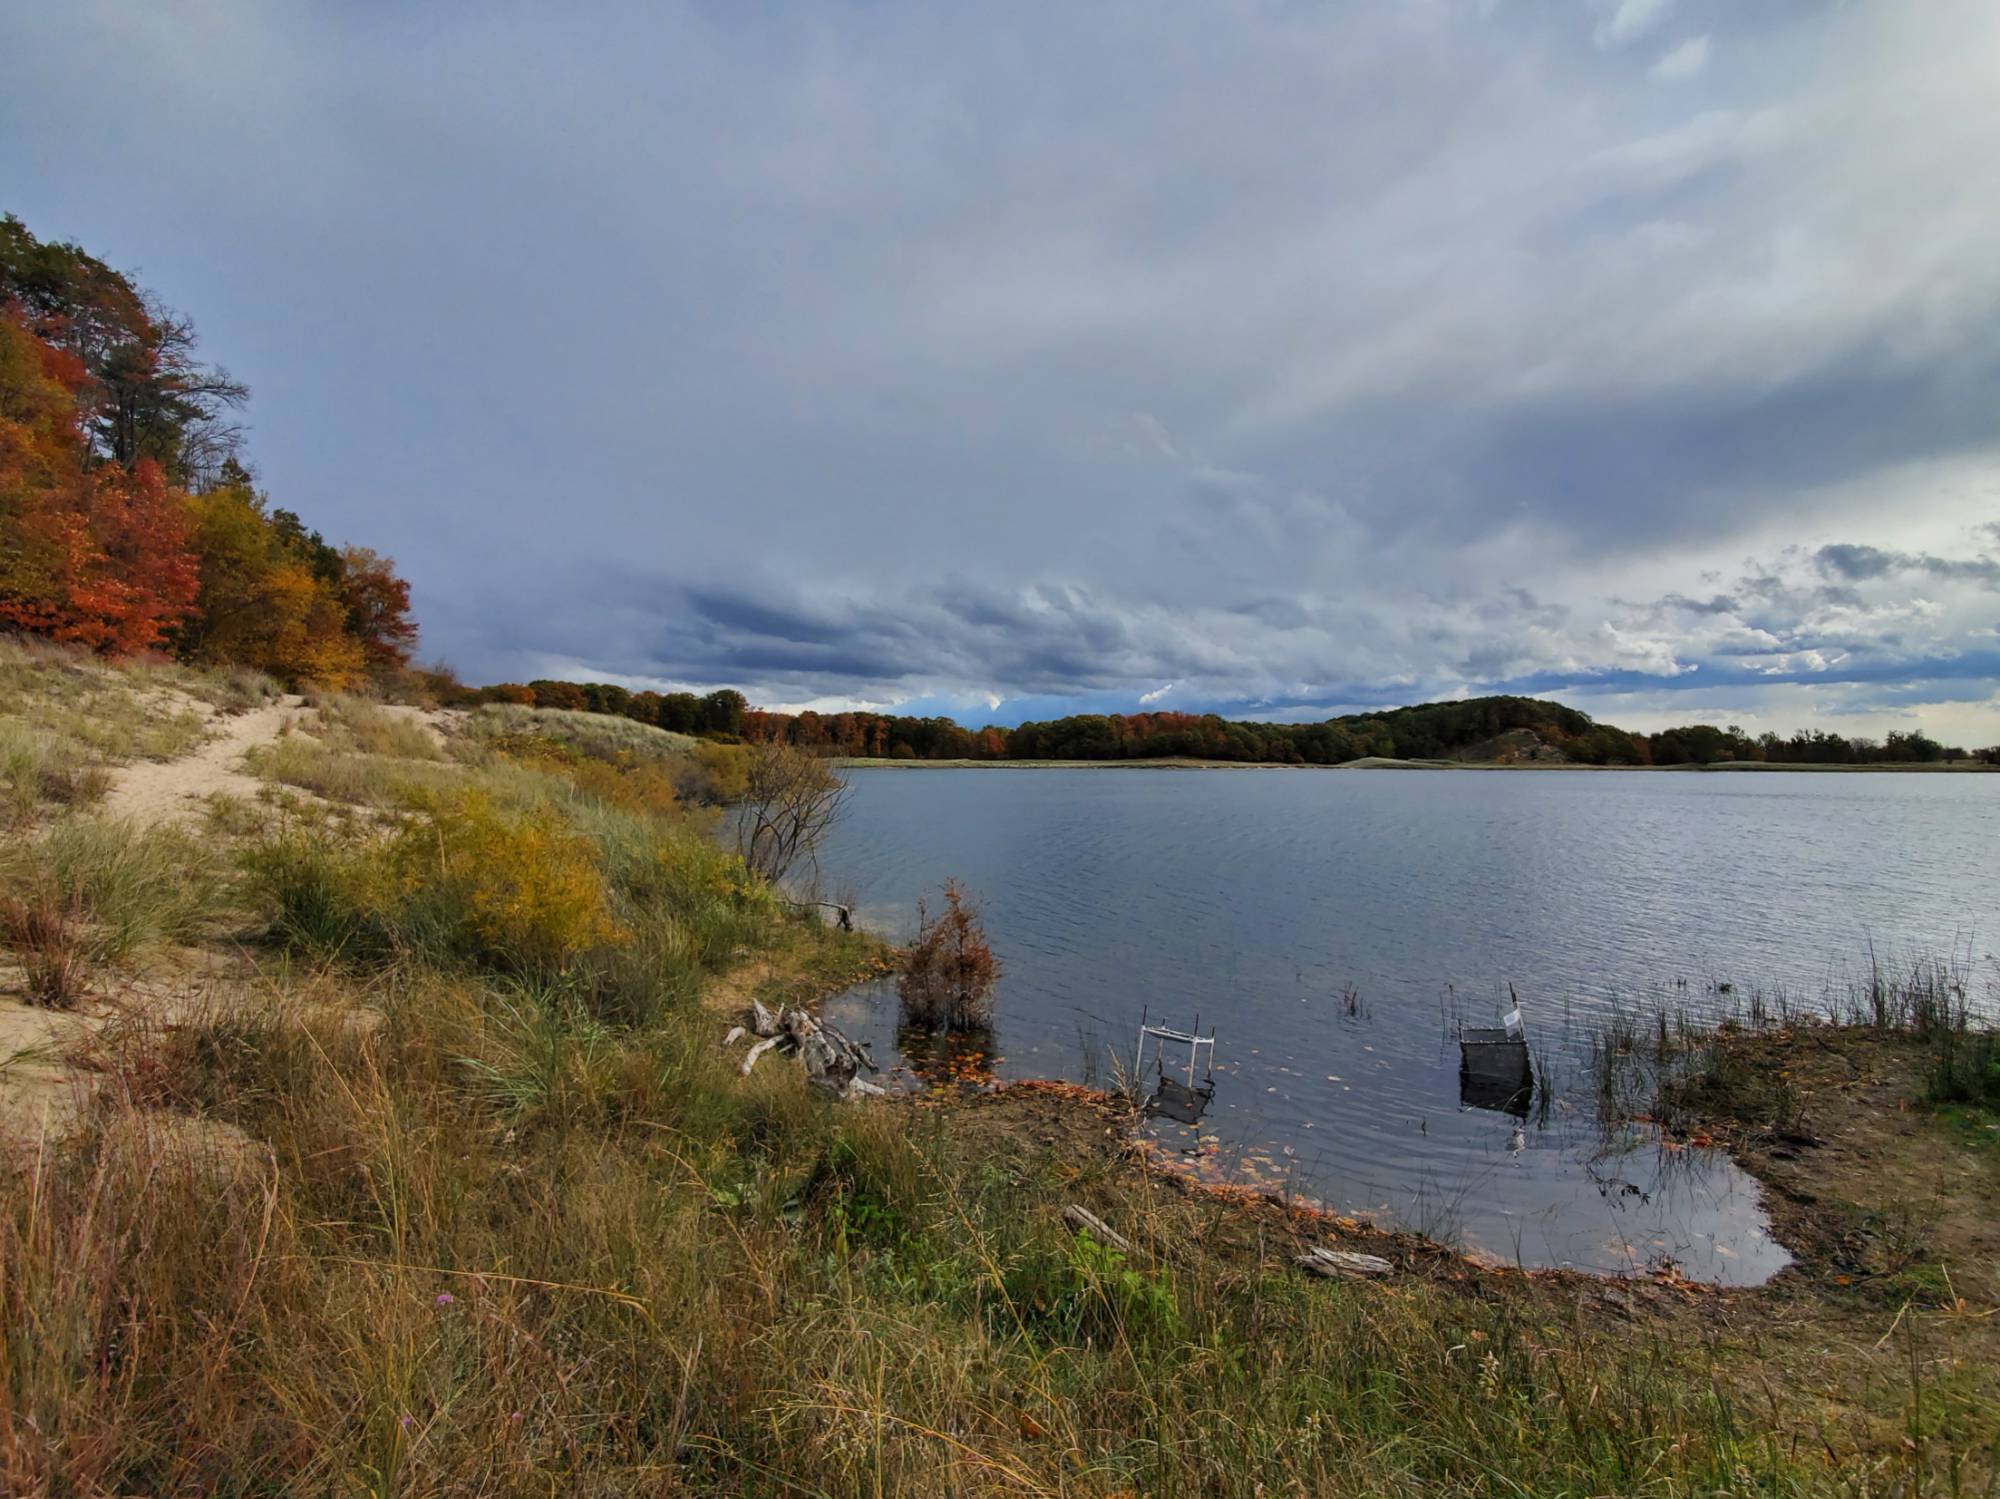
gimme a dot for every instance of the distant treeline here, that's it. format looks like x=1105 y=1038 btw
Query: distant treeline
x=1425 y=732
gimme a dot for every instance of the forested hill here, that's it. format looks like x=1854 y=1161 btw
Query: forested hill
x=129 y=518
x=1473 y=730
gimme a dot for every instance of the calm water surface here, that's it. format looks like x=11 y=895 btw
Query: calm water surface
x=1260 y=898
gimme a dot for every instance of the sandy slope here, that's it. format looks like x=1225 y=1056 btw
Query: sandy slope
x=40 y=1086
x=176 y=790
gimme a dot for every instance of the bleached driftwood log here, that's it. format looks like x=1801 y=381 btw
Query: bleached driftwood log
x=1085 y=1221
x=1342 y=1263
x=831 y=1060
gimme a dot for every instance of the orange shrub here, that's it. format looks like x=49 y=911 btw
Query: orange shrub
x=949 y=971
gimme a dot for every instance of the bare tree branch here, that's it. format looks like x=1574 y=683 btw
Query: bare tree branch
x=791 y=800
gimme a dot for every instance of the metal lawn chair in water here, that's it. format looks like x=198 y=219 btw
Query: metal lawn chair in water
x=1182 y=1100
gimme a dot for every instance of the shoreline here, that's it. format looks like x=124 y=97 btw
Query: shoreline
x=1722 y=767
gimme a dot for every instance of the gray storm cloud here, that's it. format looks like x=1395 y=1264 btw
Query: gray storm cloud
x=1259 y=357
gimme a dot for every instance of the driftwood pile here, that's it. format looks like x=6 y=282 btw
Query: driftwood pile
x=831 y=1060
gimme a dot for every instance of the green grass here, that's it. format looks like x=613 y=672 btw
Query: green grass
x=1965 y=1067
x=1975 y=1125
x=595 y=733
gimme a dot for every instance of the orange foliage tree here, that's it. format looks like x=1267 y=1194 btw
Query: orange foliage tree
x=94 y=555
x=106 y=420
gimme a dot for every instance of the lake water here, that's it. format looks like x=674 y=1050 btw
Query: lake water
x=1332 y=927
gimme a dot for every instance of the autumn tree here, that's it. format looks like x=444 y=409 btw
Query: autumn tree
x=107 y=419
x=146 y=395
x=261 y=602
x=377 y=601
x=95 y=556
x=549 y=694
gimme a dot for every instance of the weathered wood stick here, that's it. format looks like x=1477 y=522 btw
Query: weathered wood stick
x=1343 y=1263
x=736 y=1033
x=751 y=1056
x=1085 y=1221
x=847 y=1044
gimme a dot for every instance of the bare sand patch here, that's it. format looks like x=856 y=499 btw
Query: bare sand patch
x=178 y=790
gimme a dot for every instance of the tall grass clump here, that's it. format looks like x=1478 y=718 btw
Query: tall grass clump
x=625 y=911
x=96 y=890
x=65 y=715
x=618 y=778
x=354 y=724
x=1965 y=1067
x=36 y=772
x=701 y=773
x=592 y=733
x=46 y=934
x=1922 y=994
x=229 y=689
x=361 y=780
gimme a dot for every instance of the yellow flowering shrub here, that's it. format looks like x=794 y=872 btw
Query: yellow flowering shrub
x=518 y=888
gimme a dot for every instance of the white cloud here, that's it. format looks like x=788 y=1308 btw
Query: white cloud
x=1631 y=20
x=1684 y=61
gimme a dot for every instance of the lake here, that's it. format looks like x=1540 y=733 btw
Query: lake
x=1332 y=927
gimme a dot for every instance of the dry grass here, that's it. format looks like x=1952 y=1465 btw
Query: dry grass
x=117 y=889
x=362 y=727
x=45 y=933
x=361 y=780
x=471 y=1201
x=594 y=733
x=493 y=1245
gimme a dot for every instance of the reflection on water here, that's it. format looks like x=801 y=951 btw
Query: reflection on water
x=1336 y=929
x=1497 y=1095
x=1172 y=1099
x=936 y=1058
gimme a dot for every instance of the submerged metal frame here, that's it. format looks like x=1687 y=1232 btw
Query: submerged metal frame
x=1162 y=1034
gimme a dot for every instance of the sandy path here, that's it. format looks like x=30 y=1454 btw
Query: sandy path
x=176 y=790
x=40 y=1087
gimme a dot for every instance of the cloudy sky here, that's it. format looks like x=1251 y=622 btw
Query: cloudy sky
x=1006 y=360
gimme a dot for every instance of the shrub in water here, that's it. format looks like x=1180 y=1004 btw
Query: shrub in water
x=949 y=971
